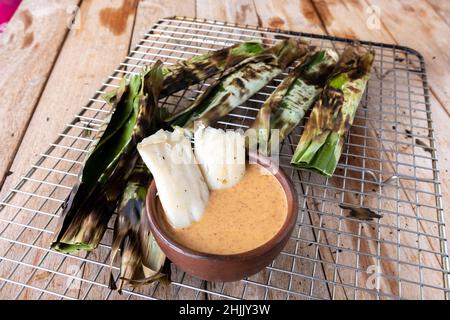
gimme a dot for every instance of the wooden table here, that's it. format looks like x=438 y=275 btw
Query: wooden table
x=47 y=71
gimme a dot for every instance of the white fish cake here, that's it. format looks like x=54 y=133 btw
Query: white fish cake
x=221 y=156
x=182 y=189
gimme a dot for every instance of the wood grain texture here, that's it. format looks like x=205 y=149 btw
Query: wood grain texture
x=101 y=40
x=95 y=46
x=28 y=49
x=428 y=34
x=350 y=19
x=235 y=11
x=363 y=28
x=363 y=25
x=442 y=8
x=150 y=11
x=294 y=15
x=92 y=50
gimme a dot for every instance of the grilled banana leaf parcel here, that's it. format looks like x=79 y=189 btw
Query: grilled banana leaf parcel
x=92 y=201
x=320 y=145
x=142 y=261
x=199 y=68
x=238 y=84
x=287 y=105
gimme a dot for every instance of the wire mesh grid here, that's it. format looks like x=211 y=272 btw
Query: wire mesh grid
x=388 y=164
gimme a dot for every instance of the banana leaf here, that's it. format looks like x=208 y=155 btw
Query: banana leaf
x=320 y=145
x=92 y=201
x=142 y=261
x=287 y=105
x=199 y=68
x=238 y=84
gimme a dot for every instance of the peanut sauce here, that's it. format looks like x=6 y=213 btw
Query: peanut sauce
x=240 y=218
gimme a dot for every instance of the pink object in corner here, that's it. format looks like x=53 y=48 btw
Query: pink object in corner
x=7 y=9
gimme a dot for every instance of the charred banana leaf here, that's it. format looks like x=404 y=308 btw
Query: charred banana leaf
x=142 y=261
x=238 y=84
x=320 y=145
x=199 y=68
x=109 y=162
x=287 y=105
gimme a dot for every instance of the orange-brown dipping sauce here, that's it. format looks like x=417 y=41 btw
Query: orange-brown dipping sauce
x=240 y=218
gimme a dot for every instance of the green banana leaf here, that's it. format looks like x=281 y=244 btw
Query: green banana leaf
x=142 y=261
x=287 y=105
x=238 y=84
x=92 y=201
x=320 y=145
x=199 y=68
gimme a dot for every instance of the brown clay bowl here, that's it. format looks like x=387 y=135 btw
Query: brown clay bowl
x=222 y=268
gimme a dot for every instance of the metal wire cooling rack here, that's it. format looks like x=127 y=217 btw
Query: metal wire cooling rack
x=389 y=164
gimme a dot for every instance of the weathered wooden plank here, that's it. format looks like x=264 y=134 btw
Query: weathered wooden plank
x=361 y=21
x=442 y=8
x=94 y=47
x=441 y=120
x=92 y=50
x=150 y=11
x=368 y=32
x=428 y=26
x=234 y=11
x=28 y=49
x=429 y=36
x=266 y=14
x=364 y=25
x=295 y=15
